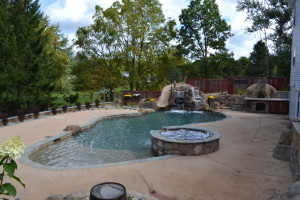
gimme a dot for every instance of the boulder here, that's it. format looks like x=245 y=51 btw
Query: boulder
x=81 y=195
x=73 y=128
x=294 y=189
x=295 y=197
x=289 y=126
x=147 y=104
x=55 y=197
x=282 y=152
x=285 y=137
x=279 y=197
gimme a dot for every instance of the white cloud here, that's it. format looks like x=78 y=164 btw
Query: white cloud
x=241 y=43
x=172 y=8
x=72 y=14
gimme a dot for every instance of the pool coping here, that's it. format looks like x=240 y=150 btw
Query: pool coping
x=157 y=134
x=45 y=143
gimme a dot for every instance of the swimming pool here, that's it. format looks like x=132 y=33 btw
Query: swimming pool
x=116 y=139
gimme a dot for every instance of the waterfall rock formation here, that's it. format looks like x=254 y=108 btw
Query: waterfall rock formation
x=181 y=96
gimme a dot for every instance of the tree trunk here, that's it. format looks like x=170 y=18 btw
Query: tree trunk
x=111 y=94
x=130 y=86
x=91 y=96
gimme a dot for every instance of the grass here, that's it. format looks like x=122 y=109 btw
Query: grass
x=83 y=97
x=59 y=100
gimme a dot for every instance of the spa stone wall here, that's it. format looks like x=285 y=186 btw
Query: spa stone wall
x=161 y=147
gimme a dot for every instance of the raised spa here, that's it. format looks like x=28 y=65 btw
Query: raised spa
x=184 y=140
x=113 y=140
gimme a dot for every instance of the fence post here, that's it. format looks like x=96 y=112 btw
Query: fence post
x=230 y=85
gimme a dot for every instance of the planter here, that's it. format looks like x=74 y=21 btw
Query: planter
x=21 y=115
x=65 y=108
x=97 y=102
x=78 y=106
x=4 y=121
x=87 y=105
x=54 y=111
x=35 y=112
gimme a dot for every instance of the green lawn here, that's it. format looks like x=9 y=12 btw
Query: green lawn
x=83 y=97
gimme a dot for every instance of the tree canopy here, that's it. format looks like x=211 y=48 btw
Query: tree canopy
x=29 y=64
x=258 y=60
x=203 y=32
x=273 y=19
x=131 y=36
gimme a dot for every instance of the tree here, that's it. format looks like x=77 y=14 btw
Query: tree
x=223 y=65
x=60 y=54
x=258 y=61
x=273 y=18
x=243 y=64
x=129 y=36
x=28 y=68
x=202 y=31
x=99 y=48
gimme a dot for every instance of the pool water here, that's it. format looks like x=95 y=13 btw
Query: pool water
x=117 y=139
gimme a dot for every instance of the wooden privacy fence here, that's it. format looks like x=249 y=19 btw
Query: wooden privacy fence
x=232 y=85
x=242 y=83
x=209 y=85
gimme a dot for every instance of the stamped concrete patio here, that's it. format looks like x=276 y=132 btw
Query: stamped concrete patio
x=242 y=169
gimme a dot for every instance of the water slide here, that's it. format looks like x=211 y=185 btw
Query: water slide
x=163 y=100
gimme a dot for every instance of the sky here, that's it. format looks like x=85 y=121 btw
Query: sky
x=72 y=14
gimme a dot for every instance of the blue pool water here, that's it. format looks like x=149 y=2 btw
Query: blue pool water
x=117 y=139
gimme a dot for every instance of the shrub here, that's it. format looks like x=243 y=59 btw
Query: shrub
x=36 y=112
x=21 y=115
x=87 y=105
x=71 y=98
x=10 y=150
x=286 y=88
x=240 y=92
x=54 y=111
x=65 y=108
x=97 y=102
x=78 y=105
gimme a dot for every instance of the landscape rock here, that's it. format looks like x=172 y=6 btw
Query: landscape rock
x=147 y=104
x=295 y=197
x=289 y=126
x=55 y=197
x=73 y=128
x=279 y=197
x=282 y=152
x=285 y=137
x=81 y=195
x=294 y=189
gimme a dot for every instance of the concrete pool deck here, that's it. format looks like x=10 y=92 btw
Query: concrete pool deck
x=242 y=169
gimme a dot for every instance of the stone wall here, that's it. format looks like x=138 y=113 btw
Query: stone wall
x=167 y=146
x=160 y=148
x=295 y=151
x=235 y=102
x=288 y=148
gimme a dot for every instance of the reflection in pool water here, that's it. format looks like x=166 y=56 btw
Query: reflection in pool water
x=117 y=139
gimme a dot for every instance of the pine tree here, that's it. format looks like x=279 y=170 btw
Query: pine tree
x=27 y=71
